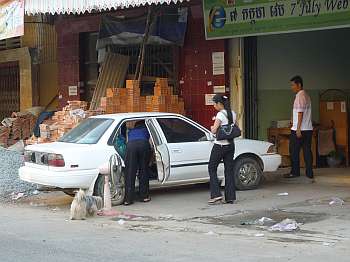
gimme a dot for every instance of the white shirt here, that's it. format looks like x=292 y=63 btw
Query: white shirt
x=302 y=104
x=222 y=116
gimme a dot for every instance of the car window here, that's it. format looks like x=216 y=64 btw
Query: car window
x=87 y=132
x=179 y=131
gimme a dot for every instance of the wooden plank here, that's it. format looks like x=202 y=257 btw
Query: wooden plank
x=113 y=74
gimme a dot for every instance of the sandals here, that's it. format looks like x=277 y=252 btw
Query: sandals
x=147 y=199
x=289 y=175
x=215 y=200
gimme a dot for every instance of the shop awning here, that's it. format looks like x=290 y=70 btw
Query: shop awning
x=81 y=6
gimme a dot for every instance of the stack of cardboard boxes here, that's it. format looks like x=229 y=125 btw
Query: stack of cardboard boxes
x=129 y=99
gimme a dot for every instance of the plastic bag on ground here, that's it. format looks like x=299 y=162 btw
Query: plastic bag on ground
x=287 y=225
x=336 y=201
x=261 y=221
x=17 y=196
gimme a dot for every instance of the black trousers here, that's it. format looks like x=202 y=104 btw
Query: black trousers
x=137 y=158
x=219 y=153
x=295 y=145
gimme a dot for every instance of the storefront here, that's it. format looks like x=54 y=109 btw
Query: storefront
x=189 y=67
x=278 y=41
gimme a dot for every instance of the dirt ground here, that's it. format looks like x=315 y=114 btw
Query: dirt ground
x=178 y=225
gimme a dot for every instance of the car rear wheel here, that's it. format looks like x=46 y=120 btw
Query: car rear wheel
x=248 y=173
x=117 y=190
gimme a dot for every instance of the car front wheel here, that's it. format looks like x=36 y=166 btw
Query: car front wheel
x=248 y=173
x=117 y=189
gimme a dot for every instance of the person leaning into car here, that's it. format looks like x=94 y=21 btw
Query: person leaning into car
x=222 y=150
x=138 y=151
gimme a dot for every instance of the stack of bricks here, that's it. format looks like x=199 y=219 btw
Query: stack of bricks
x=121 y=100
x=19 y=126
x=24 y=124
x=4 y=136
x=63 y=121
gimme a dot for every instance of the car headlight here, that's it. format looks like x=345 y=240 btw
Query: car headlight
x=272 y=150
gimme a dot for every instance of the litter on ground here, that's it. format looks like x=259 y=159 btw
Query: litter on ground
x=35 y=192
x=260 y=222
x=15 y=196
x=336 y=201
x=287 y=225
x=121 y=222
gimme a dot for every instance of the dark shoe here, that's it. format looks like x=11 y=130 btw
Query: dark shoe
x=290 y=176
x=128 y=203
x=215 y=200
x=229 y=202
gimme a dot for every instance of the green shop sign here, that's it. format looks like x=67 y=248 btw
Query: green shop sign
x=236 y=18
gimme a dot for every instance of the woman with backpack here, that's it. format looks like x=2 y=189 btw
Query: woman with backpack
x=222 y=150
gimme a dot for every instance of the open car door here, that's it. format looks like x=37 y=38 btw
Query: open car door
x=161 y=151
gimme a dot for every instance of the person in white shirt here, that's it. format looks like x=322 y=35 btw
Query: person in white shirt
x=302 y=129
x=222 y=150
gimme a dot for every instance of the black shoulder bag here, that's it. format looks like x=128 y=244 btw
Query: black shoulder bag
x=228 y=132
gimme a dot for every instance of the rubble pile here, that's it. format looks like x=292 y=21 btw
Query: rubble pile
x=63 y=121
x=17 y=127
x=10 y=183
x=129 y=99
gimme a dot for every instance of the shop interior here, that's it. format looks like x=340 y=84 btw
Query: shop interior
x=322 y=58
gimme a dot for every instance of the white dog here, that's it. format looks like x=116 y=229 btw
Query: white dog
x=83 y=206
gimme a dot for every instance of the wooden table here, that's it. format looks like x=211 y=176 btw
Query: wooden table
x=280 y=137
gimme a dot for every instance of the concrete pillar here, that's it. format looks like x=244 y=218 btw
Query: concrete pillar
x=235 y=54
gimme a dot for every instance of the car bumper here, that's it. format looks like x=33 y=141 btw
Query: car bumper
x=67 y=179
x=271 y=162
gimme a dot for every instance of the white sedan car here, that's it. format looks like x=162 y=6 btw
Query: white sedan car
x=181 y=150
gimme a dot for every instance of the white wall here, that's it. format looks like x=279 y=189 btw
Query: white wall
x=322 y=58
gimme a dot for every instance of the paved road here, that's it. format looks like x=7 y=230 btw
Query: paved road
x=178 y=226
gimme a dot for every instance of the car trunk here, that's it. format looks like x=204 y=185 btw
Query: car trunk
x=76 y=156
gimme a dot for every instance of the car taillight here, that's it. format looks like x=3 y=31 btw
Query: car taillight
x=55 y=160
x=28 y=156
x=272 y=149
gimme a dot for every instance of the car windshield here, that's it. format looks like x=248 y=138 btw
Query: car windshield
x=87 y=132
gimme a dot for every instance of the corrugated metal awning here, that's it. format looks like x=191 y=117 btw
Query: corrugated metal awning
x=81 y=6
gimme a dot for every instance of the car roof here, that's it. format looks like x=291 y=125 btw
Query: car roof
x=119 y=116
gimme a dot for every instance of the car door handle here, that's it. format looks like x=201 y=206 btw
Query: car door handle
x=176 y=150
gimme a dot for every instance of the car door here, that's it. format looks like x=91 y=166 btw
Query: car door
x=161 y=151
x=189 y=148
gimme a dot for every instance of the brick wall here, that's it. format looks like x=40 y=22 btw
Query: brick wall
x=68 y=30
